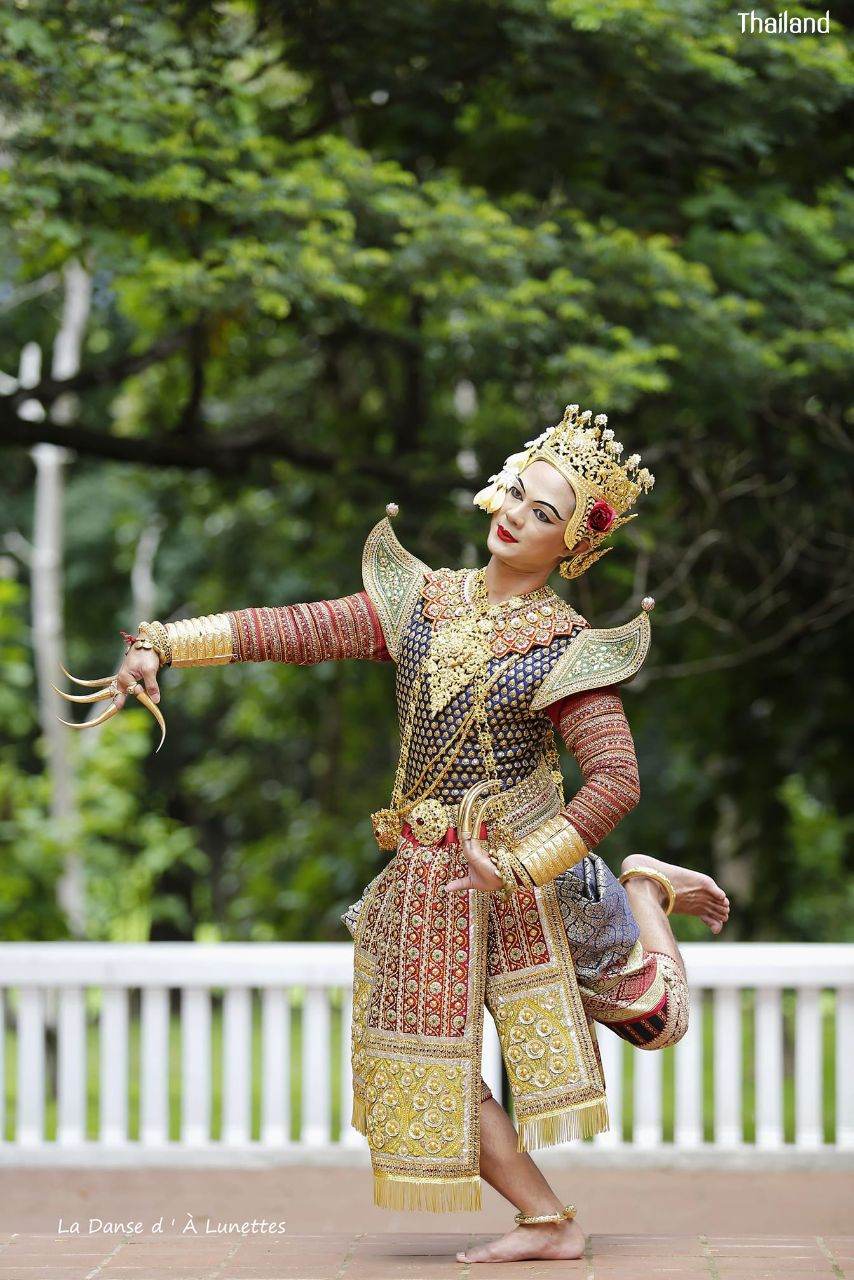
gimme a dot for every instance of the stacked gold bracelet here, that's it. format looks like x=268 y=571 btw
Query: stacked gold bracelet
x=554 y=847
x=193 y=642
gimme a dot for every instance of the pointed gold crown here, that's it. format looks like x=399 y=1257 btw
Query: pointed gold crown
x=588 y=457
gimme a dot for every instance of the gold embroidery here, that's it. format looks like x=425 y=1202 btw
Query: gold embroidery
x=415 y=1108
x=596 y=658
x=392 y=578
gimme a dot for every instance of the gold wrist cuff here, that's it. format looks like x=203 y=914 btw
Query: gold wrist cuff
x=554 y=847
x=200 y=642
x=156 y=635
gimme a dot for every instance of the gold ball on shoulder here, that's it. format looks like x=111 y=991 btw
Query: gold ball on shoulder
x=648 y=604
x=391 y=509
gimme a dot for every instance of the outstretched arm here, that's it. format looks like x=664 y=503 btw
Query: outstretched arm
x=300 y=633
x=348 y=627
x=594 y=727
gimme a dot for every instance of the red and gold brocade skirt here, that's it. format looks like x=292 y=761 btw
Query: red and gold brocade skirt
x=548 y=964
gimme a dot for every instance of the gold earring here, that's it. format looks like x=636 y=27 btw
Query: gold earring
x=574 y=566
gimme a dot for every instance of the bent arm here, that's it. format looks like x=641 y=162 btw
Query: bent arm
x=595 y=729
x=304 y=634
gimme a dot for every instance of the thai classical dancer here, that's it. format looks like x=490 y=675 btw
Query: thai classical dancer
x=493 y=897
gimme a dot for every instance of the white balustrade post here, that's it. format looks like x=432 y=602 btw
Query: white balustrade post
x=808 y=1078
x=727 y=1016
x=236 y=1067
x=647 y=1099
x=275 y=1067
x=768 y=1040
x=688 y=1078
x=114 y=1066
x=71 y=1067
x=30 y=1128
x=154 y=1067
x=195 y=1066
x=844 y=1070
x=315 y=1062
x=611 y=1051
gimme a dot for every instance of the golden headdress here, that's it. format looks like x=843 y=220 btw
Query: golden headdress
x=588 y=457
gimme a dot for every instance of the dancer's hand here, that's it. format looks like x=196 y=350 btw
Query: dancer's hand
x=140 y=666
x=482 y=873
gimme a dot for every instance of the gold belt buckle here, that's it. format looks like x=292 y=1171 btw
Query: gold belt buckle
x=429 y=820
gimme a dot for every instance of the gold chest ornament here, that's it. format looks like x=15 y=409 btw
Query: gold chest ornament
x=468 y=635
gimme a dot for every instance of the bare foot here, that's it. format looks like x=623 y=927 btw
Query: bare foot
x=542 y=1240
x=696 y=893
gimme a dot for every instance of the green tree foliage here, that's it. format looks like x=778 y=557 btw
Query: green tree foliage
x=313 y=229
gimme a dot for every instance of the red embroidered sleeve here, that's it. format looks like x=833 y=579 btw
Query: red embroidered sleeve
x=309 y=633
x=594 y=728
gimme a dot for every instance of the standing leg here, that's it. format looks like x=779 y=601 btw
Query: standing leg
x=513 y=1173
x=515 y=1176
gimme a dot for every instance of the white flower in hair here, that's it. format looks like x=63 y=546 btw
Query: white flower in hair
x=600 y=420
x=607 y=434
x=632 y=461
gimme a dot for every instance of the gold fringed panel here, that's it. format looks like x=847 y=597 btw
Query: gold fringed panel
x=358 y=1119
x=435 y=1195
x=552 y=1127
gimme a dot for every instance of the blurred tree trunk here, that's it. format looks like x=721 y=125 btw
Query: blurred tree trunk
x=46 y=562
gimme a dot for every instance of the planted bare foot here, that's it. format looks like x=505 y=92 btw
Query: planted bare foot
x=696 y=893
x=549 y=1240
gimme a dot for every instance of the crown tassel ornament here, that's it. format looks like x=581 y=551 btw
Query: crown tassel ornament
x=588 y=457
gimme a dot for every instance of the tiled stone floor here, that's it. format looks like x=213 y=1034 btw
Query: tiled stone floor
x=364 y=1256
x=726 y=1225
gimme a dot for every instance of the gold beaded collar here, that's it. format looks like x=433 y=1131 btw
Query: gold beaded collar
x=513 y=625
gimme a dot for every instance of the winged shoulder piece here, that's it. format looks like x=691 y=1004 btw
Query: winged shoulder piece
x=393 y=579
x=595 y=658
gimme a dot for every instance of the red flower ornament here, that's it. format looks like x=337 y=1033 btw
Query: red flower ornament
x=601 y=517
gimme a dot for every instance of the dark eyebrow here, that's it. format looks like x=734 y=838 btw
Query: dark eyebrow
x=541 y=501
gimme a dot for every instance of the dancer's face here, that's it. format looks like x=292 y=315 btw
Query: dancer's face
x=534 y=514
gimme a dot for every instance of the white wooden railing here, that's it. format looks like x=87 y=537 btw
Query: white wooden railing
x=278 y=1089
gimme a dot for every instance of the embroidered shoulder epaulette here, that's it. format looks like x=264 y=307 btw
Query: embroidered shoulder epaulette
x=392 y=578
x=596 y=657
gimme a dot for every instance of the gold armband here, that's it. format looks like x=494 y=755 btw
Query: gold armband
x=554 y=847
x=193 y=642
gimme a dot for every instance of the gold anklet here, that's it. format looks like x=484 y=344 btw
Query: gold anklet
x=659 y=876
x=531 y=1219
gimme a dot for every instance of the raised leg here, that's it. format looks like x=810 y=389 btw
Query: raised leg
x=696 y=894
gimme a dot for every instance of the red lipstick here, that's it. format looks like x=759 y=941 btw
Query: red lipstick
x=504 y=535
